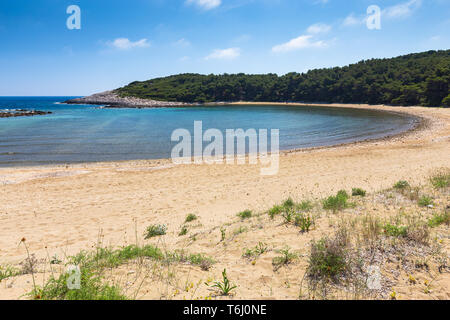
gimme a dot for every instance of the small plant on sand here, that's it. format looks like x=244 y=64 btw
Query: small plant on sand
x=328 y=259
x=425 y=201
x=289 y=203
x=225 y=285
x=190 y=217
x=223 y=233
x=305 y=206
x=358 y=192
x=8 y=272
x=288 y=215
x=240 y=230
x=155 y=231
x=438 y=219
x=401 y=185
x=274 y=211
x=245 y=214
x=303 y=221
x=92 y=287
x=338 y=202
x=441 y=179
x=285 y=258
x=183 y=231
x=260 y=249
x=395 y=231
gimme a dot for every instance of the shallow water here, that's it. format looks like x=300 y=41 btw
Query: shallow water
x=88 y=133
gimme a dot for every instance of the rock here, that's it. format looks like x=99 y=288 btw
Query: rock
x=22 y=113
x=110 y=99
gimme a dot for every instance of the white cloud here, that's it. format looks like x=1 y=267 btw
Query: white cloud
x=351 y=20
x=319 y=28
x=182 y=43
x=205 y=4
x=302 y=42
x=126 y=44
x=403 y=9
x=225 y=54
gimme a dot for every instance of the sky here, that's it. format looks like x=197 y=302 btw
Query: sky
x=43 y=52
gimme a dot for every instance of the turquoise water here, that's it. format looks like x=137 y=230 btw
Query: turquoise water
x=88 y=133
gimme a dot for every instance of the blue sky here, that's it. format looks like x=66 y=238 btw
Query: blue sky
x=123 y=41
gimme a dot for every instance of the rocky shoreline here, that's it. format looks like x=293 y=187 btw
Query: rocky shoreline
x=110 y=99
x=22 y=113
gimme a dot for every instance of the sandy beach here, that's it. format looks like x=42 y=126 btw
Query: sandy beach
x=63 y=209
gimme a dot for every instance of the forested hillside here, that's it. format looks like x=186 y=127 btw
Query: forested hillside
x=414 y=79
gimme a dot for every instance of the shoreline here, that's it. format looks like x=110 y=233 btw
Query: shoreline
x=417 y=123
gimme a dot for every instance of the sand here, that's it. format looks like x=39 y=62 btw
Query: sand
x=63 y=209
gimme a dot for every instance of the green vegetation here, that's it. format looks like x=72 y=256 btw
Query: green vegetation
x=358 y=192
x=225 y=285
x=275 y=210
x=285 y=258
x=183 y=231
x=425 y=201
x=289 y=203
x=305 y=206
x=395 y=231
x=245 y=214
x=438 y=219
x=223 y=234
x=338 y=202
x=328 y=259
x=259 y=249
x=401 y=185
x=92 y=287
x=8 y=272
x=191 y=217
x=240 y=230
x=414 y=79
x=303 y=221
x=441 y=179
x=155 y=231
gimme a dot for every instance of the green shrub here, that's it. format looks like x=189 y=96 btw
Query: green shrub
x=289 y=203
x=191 y=217
x=183 y=231
x=92 y=287
x=395 y=231
x=275 y=210
x=438 y=219
x=328 y=259
x=441 y=179
x=425 y=201
x=401 y=185
x=304 y=222
x=245 y=214
x=358 y=192
x=155 y=231
x=336 y=203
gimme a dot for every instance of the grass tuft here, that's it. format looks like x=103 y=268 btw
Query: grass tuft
x=155 y=231
x=190 y=217
x=247 y=214
x=441 y=179
x=338 y=202
x=358 y=192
